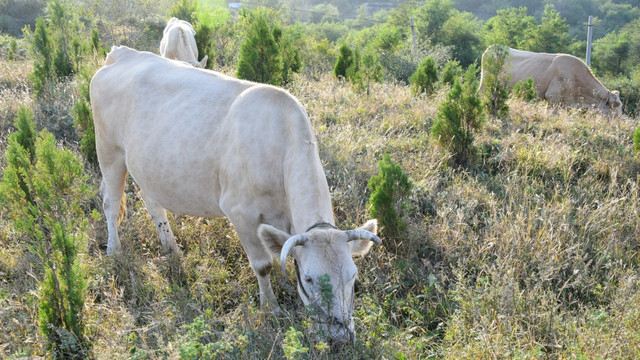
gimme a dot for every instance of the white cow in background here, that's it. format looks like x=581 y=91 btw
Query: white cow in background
x=179 y=43
x=201 y=143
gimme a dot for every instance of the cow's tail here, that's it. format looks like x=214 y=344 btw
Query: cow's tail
x=123 y=207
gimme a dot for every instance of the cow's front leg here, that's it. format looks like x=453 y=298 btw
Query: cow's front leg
x=261 y=262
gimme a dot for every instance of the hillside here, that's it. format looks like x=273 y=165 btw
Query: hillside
x=533 y=253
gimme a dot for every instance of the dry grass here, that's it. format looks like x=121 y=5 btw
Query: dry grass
x=534 y=253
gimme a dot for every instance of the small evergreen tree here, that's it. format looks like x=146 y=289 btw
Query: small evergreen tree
x=424 y=79
x=458 y=117
x=83 y=119
x=495 y=80
x=259 y=53
x=636 y=140
x=344 y=62
x=525 y=90
x=387 y=190
x=451 y=71
x=42 y=190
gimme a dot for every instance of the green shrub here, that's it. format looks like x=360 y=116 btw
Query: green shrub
x=495 y=80
x=636 y=140
x=42 y=190
x=458 y=117
x=451 y=71
x=83 y=119
x=345 y=61
x=424 y=79
x=184 y=10
x=388 y=188
x=260 y=54
x=525 y=90
x=292 y=346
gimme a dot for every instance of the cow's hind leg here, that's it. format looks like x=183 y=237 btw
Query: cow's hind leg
x=112 y=188
x=159 y=217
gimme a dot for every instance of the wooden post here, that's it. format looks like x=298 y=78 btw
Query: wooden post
x=589 y=36
x=413 y=34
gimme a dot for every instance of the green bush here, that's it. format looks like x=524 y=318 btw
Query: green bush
x=525 y=90
x=424 y=79
x=459 y=116
x=451 y=71
x=83 y=119
x=345 y=60
x=388 y=188
x=42 y=190
x=495 y=81
x=260 y=55
x=636 y=140
x=184 y=10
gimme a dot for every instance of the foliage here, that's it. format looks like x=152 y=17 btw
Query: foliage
x=292 y=346
x=525 y=90
x=345 y=61
x=451 y=71
x=218 y=37
x=56 y=45
x=424 y=80
x=42 y=189
x=267 y=55
x=510 y=27
x=551 y=36
x=636 y=140
x=185 y=10
x=83 y=119
x=259 y=53
x=388 y=188
x=459 y=116
x=495 y=80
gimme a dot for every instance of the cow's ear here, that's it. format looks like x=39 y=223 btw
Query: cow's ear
x=272 y=239
x=362 y=247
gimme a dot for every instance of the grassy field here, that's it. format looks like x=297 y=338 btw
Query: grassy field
x=533 y=253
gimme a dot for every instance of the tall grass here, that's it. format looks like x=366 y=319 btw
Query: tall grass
x=534 y=253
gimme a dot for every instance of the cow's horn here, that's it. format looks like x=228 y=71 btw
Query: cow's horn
x=296 y=240
x=359 y=234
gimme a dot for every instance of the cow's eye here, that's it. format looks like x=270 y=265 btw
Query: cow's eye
x=308 y=279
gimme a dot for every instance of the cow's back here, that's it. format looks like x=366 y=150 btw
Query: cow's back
x=189 y=135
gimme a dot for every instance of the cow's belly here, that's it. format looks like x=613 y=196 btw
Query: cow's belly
x=178 y=184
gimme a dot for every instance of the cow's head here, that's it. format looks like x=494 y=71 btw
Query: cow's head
x=325 y=271
x=611 y=104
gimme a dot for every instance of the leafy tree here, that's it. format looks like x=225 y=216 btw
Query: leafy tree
x=42 y=190
x=324 y=13
x=259 y=53
x=495 y=80
x=185 y=10
x=425 y=77
x=551 y=36
x=511 y=27
x=431 y=17
x=388 y=188
x=611 y=53
x=218 y=37
x=459 y=116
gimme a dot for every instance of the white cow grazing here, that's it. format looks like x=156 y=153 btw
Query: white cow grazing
x=201 y=143
x=560 y=79
x=179 y=43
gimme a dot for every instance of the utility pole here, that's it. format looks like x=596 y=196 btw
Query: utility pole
x=413 y=34
x=589 y=36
